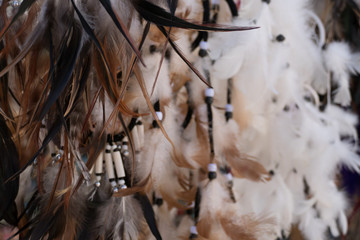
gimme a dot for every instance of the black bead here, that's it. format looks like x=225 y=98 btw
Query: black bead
x=155 y=124
x=159 y=201
x=119 y=75
x=266 y=1
x=193 y=236
x=167 y=54
x=212 y=175
x=228 y=115
x=202 y=53
x=209 y=100
x=118 y=137
x=280 y=38
x=152 y=48
x=190 y=211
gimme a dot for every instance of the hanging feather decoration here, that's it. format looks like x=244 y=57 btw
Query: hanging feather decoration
x=177 y=119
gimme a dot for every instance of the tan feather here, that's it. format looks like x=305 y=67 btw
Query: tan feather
x=244 y=166
x=245 y=227
x=204 y=227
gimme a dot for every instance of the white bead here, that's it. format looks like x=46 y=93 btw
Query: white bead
x=203 y=45
x=135 y=135
x=109 y=166
x=108 y=147
x=121 y=182
x=215 y=2
x=119 y=166
x=159 y=116
x=229 y=177
x=193 y=230
x=212 y=167
x=141 y=134
x=229 y=108
x=209 y=92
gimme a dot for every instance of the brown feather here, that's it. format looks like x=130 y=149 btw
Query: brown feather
x=243 y=166
x=245 y=227
x=204 y=227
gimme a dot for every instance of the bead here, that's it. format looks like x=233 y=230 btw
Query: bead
x=212 y=175
x=280 y=38
x=212 y=167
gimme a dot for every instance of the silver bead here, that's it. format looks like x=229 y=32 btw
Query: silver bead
x=15 y=3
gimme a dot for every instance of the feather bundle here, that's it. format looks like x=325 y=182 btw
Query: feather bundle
x=176 y=119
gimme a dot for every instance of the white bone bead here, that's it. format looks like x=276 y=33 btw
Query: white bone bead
x=109 y=164
x=119 y=166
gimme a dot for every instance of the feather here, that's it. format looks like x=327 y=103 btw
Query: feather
x=341 y=62
x=148 y=214
x=160 y=17
x=25 y=5
x=120 y=25
x=9 y=166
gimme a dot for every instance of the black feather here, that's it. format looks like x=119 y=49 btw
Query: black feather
x=172 y=6
x=148 y=214
x=159 y=16
x=9 y=164
x=181 y=55
x=93 y=38
x=64 y=67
